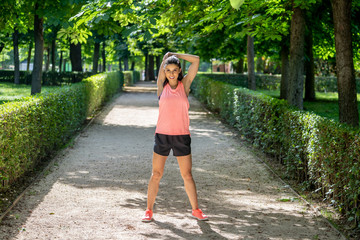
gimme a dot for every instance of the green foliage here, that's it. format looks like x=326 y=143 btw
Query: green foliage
x=48 y=78
x=317 y=152
x=100 y=87
x=75 y=34
x=263 y=81
x=131 y=77
x=272 y=82
x=33 y=127
x=236 y=3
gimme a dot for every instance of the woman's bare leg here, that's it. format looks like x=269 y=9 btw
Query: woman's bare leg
x=158 y=164
x=185 y=164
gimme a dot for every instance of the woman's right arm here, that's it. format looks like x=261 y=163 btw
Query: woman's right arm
x=160 y=79
x=161 y=76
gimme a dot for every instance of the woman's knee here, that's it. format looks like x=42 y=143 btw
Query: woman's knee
x=187 y=176
x=156 y=175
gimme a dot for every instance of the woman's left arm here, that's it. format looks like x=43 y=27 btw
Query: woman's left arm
x=193 y=69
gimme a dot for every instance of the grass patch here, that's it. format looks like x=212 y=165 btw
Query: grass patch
x=11 y=92
x=325 y=105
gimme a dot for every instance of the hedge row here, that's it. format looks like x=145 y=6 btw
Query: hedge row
x=272 y=82
x=319 y=153
x=48 y=78
x=34 y=127
x=263 y=81
x=131 y=77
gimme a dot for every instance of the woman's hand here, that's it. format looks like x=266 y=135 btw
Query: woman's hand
x=168 y=54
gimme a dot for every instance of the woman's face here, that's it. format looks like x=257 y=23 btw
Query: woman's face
x=172 y=72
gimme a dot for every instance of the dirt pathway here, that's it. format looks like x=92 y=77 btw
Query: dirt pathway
x=97 y=188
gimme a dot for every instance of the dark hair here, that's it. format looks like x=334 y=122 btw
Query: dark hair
x=173 y=60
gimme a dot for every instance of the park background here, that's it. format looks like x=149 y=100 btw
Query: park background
x=300 y=60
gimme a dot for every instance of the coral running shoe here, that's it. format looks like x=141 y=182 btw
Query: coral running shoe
x=148 y=216
x=199 y=215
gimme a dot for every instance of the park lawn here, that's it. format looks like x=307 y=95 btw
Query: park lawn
x=10 y=91
x=326 y=104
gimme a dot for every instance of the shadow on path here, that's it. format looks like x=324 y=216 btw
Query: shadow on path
x=98 y=188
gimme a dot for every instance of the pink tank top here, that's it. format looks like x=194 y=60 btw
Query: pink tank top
x=173 y=111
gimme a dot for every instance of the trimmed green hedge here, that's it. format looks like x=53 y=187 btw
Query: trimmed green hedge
x=34 y=127
x=272 y=82
x=263 y=81
x=48 y=78
x=319 y=153
x=131 y=77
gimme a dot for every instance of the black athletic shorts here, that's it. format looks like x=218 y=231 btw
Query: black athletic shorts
x=180 y=144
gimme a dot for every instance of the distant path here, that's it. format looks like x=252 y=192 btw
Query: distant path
x=97 y=189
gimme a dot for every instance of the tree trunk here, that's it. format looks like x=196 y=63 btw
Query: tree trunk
x=240 y=66
x=146 y=67
x=39 y=54
x=96 y=57
x=29 y=56
x=297 y=36
x=120 y=65
x=309 y=68
x=64 y=66
x=158 y=64
x=103 y=57
x=75 y=57
x=251 y=64
x=348 y=108
x=284 y=88
x=47 y=59
x=61 y=61
x=126 y=63
x=151 y=67
x=259 y=65
x=53 y=51
x=16 y=57
x=132 y=66
x=2 y=45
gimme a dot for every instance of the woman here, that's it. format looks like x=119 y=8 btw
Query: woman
x=172 y=129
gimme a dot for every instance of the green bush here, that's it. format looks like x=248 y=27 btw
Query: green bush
x=317 y=152
x=33 y=127
x=272 y=82
x=8 y=76
x=131 y=77
x=263 y=81
x=48 y=78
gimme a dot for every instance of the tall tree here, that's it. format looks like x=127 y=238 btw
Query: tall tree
x=147 y=78
x=96 y=57
x=103 y=54
x=39 y=52
x=126 y=63
x=16 y=57
x=61 y=60
x=28 y=59
x=251 y=63
x=53 y=54
x=297 y=39
x=75 y=57
x=284 y=88
x=309 y=67
x=348 y=108
x=152 y=67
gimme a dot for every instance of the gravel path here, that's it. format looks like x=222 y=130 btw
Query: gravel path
x=97 y=187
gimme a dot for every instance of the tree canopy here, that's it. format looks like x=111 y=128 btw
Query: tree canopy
x=79 y=30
